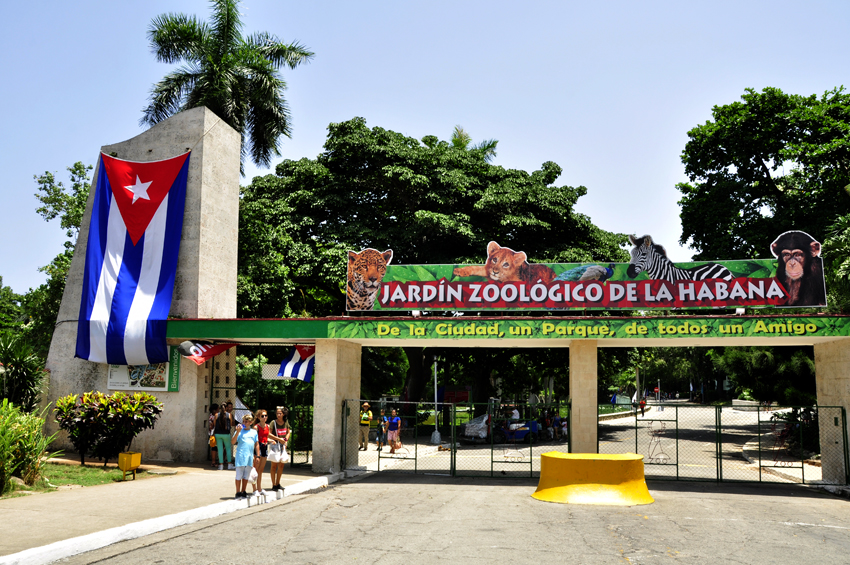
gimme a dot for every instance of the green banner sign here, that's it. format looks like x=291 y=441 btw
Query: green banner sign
x=583 y=328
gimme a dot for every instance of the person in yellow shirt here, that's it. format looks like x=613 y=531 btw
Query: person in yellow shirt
x=365 y=418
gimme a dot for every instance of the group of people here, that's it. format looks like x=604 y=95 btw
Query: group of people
x=389 y=428
x=257 y=441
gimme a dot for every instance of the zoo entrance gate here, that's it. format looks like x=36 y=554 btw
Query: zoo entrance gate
x=678 y=441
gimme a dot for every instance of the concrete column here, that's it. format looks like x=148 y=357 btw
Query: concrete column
x=337 y=379
x=832 y=373
x=205 y=285
x=583 y=413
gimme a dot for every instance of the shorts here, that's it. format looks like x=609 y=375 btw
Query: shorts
x=264 y=450
x=392 y=435
x=243 y=473
x=277 y=454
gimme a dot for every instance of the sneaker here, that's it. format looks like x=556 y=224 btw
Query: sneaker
x=238 y=496
x=230 y=467
x=221 y=467
x=276 y=487
x=262 y=492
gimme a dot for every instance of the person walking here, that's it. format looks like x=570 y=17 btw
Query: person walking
x=393 y=429
x=247 y=448
x=642 y=406
x=278 y=439
x=382 y=430
x=262 y=429
x=365 y=418
x=223 y=426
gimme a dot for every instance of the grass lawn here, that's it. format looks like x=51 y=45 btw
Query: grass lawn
x=62 y=475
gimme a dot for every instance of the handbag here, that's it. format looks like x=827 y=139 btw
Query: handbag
x=212 y=441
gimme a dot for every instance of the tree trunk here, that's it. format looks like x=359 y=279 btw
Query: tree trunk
x=415 y=373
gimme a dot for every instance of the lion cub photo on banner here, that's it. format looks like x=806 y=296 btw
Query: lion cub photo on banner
x=506 y=265
x=366 y=270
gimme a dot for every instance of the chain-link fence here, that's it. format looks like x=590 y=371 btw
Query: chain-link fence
x=485 y=440
x=723 y=443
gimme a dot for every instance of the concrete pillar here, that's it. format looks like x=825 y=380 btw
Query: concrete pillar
x=832 y=373
x=205 y=285
x=337 y=379
x=583 y=413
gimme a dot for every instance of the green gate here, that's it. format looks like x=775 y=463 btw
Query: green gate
x=679 y=441
x=475 y=440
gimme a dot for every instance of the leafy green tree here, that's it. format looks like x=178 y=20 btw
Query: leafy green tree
x=67 y=204
x=236 y=77
x=40 y=306
x=429 y=200
x=10 y=308
x=779 y=374
x=22 y=372
x=767 y=164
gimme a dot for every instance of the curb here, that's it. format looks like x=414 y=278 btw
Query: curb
x=90 y=542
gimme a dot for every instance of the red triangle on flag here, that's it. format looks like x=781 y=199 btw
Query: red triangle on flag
x=139 y=188
x=306 y=351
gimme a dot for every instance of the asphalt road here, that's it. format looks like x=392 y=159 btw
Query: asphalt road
x=397 y=518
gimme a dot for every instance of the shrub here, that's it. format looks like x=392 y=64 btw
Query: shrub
x=23 y=445
x=22 y=372
x=106 y=425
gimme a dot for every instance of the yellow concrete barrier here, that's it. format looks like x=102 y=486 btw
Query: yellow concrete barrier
x=592 y=478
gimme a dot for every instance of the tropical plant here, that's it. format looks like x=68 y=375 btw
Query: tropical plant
x=106 y=425
x=10 y=434
x=21 y=374
x=461 y=140
x=31 y=449
x=235 y=77
x=23 y=446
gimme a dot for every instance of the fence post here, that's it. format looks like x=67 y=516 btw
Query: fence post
x=846 y=456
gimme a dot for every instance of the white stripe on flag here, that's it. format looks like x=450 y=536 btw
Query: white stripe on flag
x=302 y=370
x=137 y=319
x=287 y=370
x=108 y=277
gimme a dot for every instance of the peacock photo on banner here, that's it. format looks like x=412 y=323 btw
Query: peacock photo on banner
x=131 y=260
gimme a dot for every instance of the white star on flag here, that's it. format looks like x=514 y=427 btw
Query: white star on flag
x=139 y=190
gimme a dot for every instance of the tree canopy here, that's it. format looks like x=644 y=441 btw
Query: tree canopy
x=767 y=164
x=234 y=76
x=430 y=201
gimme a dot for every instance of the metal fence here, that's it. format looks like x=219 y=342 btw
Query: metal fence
x=798 y=444
x=464 y=439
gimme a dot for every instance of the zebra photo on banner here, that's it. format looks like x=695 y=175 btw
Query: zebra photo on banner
x=652 y=258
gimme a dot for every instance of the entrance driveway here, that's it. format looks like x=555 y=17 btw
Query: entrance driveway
x=397 y=518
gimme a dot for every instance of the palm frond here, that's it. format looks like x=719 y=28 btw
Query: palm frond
x=460 y=139
x=175 y=37
x=270 y=47
x=167 y=96
x=226 y=25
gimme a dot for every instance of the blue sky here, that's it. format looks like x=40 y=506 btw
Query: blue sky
x=607 y=90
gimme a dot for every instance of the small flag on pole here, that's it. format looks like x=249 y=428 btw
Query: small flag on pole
x=299 y=364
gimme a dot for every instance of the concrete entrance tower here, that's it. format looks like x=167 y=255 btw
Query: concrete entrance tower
x=205 y=286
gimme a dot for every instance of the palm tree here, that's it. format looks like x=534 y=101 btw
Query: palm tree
x=461 y=140
x=234 y=76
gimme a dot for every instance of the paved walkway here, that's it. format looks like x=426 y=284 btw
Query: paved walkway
x=39 y=520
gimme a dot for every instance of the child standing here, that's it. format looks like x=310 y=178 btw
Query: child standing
x=247 y=448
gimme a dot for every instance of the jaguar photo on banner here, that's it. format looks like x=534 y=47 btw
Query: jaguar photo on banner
x=507 y=281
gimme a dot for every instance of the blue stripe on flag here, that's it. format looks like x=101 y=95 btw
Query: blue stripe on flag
x=155 y=343
x=122 y=300
x=95 y=251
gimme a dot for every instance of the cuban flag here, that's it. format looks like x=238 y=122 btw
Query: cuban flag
x=131 y=260
x=299 y=364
